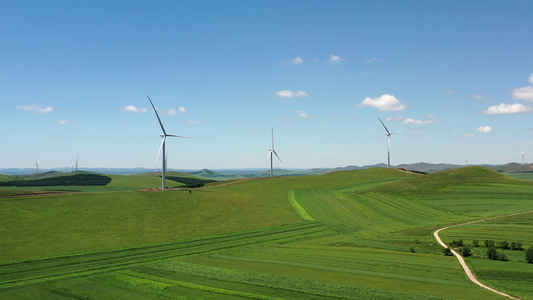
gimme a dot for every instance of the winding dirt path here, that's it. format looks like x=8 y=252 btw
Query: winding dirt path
x=461 y=259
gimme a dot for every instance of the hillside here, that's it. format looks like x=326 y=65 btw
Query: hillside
x=434 y=182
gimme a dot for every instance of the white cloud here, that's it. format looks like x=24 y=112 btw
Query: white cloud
x=383 y=102
x=430 y=119
x=396 y=118
x=484 y=129
x=63 y=122
x=305 y=115
x=297 y=61
x=193 y=122
x=289 y=94
x=524 y=93
x=171 y=112
x=417 y=121
x=182 y=109
x=530 y=79
x=334 y=59
x=503 y=108
x=132 y=108
x=372 y=60
x=36 y=108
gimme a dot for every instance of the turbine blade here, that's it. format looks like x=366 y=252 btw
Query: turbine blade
x=277 y=155
x=159 y=153
x=157 y=115
x=384 y=126
x=269 y=153
x=272 y=137
x=185 y=137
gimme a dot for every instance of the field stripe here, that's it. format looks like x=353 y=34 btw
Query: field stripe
x=28 y=272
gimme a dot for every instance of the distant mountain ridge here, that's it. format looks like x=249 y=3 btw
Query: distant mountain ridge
x=262 y=172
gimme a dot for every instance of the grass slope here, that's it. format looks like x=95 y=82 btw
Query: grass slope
x=374 y=238
x=439 y=181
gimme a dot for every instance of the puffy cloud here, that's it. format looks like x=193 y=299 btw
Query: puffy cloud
x=524 y=93
x=395 y=118
x=531 y=78
x=417 y=121
x=383 y=102
x=305 y=115
x=182 y=109
x=334 y=59
x=289 y=94
x=484 y=129
x=297 y=61
x=503 y=108
x=63 y=122
x=36 y=108
x=132 y=108
x=430 y=119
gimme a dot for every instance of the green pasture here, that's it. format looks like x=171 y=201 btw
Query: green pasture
x=347 y=235
x=523 y=176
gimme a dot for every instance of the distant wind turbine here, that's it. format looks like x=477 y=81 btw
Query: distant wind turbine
x=164 y=136
x=388 y=134
x=77 y=163
x=37 y=167
x=270 y=152
x=523 y=157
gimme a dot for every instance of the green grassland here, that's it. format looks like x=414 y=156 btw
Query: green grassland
x=364 y=234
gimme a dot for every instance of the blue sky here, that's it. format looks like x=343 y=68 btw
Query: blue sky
x=456 y=77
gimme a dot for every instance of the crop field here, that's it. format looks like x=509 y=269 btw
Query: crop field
x=364 y=234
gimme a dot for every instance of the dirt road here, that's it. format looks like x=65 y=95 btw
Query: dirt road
x=462 y=261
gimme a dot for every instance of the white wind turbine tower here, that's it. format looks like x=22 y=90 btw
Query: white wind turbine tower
x=270 y=152
x=164 y=136
x=388 y=134
x=523 y=157
x=37 y=167
x=77 y=163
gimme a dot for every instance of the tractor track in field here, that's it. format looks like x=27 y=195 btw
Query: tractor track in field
x=461 y=260
x=20 y=273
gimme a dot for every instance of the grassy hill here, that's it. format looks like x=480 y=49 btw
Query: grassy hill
x=348 y=234
x=439 y=181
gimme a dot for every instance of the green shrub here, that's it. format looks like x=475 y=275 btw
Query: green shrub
x=465 y=251
x=492 y=253
x=475 y=243
x=529 y=255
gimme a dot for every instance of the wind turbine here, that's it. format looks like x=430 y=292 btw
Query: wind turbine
x=270 y=151
x=164 y=136
x=388 y=134
x=37 y=167
x=523 y=157
x=77 y=163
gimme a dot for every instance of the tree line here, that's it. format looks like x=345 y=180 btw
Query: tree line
x=67 y=180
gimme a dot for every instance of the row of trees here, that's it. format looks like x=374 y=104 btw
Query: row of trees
x=67 y=180
x=491 y=246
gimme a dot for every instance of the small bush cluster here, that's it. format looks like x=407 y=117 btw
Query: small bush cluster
x=493 y=254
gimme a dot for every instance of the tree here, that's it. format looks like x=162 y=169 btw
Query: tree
x=529 y=255
x=475 y=243
x=489 y=243
x=492 y=254
x=447 y=251
x=504 y=245
x=465 y=251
